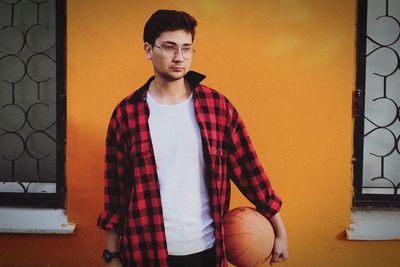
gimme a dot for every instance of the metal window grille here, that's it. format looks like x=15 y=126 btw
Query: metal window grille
x=376 y=105
x=32 y=103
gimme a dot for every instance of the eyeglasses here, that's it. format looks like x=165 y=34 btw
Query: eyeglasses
x=170 y=51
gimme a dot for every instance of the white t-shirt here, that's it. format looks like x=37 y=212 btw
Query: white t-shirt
x=177 y=145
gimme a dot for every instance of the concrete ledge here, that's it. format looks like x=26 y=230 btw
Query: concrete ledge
x=374 y=224
x=35 y=221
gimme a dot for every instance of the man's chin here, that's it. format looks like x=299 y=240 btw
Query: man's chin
x=173 y=76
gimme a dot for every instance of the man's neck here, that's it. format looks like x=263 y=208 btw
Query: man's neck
x=169 y=92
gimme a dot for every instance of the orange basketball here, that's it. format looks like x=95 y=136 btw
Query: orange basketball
x=249 y=237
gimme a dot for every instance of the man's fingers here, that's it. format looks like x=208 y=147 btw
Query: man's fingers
x=277 y=257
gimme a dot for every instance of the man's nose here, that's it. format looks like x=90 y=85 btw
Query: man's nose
x=178 y=56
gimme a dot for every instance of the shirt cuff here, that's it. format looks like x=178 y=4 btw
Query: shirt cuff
x=272 y=207
x=110 y=221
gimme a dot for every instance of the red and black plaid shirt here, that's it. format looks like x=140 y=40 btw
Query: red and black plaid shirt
x=132 y=191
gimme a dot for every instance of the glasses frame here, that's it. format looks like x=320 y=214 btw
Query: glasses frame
x=177 y=50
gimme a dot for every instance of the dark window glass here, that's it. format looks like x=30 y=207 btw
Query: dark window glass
x=32 y=103
x=376 y=105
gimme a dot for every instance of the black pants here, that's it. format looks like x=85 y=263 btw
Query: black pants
x=205 y=258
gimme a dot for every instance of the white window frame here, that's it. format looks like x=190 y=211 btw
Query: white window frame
x=35 y=221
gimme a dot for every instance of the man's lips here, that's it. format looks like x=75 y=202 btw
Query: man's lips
x=177 y=68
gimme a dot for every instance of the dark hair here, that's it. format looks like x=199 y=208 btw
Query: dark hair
x=168 y=20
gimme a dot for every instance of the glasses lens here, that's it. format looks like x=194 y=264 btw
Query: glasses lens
x=187 y=53
x=170 y=52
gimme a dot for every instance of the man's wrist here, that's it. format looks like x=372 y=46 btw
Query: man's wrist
x=108 y=255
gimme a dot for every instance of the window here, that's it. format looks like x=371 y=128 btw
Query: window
x=32 y=103
x=375 y=214
x=377 y=101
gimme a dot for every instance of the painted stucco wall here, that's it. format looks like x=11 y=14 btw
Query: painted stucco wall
x=288 y=67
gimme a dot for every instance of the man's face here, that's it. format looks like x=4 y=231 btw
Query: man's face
x=168 y=62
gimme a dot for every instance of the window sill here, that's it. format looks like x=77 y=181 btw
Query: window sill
x=35 y=221
x=374 y=224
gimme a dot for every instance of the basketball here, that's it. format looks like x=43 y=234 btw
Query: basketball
x=248 y=236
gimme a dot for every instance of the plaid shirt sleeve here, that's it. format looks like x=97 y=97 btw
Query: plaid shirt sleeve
x=246 y=171
x=115 y=189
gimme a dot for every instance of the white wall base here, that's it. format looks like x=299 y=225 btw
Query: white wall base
x=35 y=221
x=374 y=224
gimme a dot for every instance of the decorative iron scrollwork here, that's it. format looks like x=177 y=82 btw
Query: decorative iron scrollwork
x=27 y=93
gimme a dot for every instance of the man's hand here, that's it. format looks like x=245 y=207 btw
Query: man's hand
x=280 y=251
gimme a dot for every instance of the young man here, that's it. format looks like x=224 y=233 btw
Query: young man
x=172 y=148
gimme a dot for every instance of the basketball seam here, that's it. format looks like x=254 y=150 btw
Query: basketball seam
x=233 y=258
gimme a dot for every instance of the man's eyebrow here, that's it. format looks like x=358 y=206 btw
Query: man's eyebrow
x=173 y=43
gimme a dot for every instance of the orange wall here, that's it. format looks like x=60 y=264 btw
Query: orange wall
x=288 y=66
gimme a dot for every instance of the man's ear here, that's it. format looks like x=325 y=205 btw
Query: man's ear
x=148 y=50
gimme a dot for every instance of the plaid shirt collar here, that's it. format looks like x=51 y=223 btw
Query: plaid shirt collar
x=193 y=78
